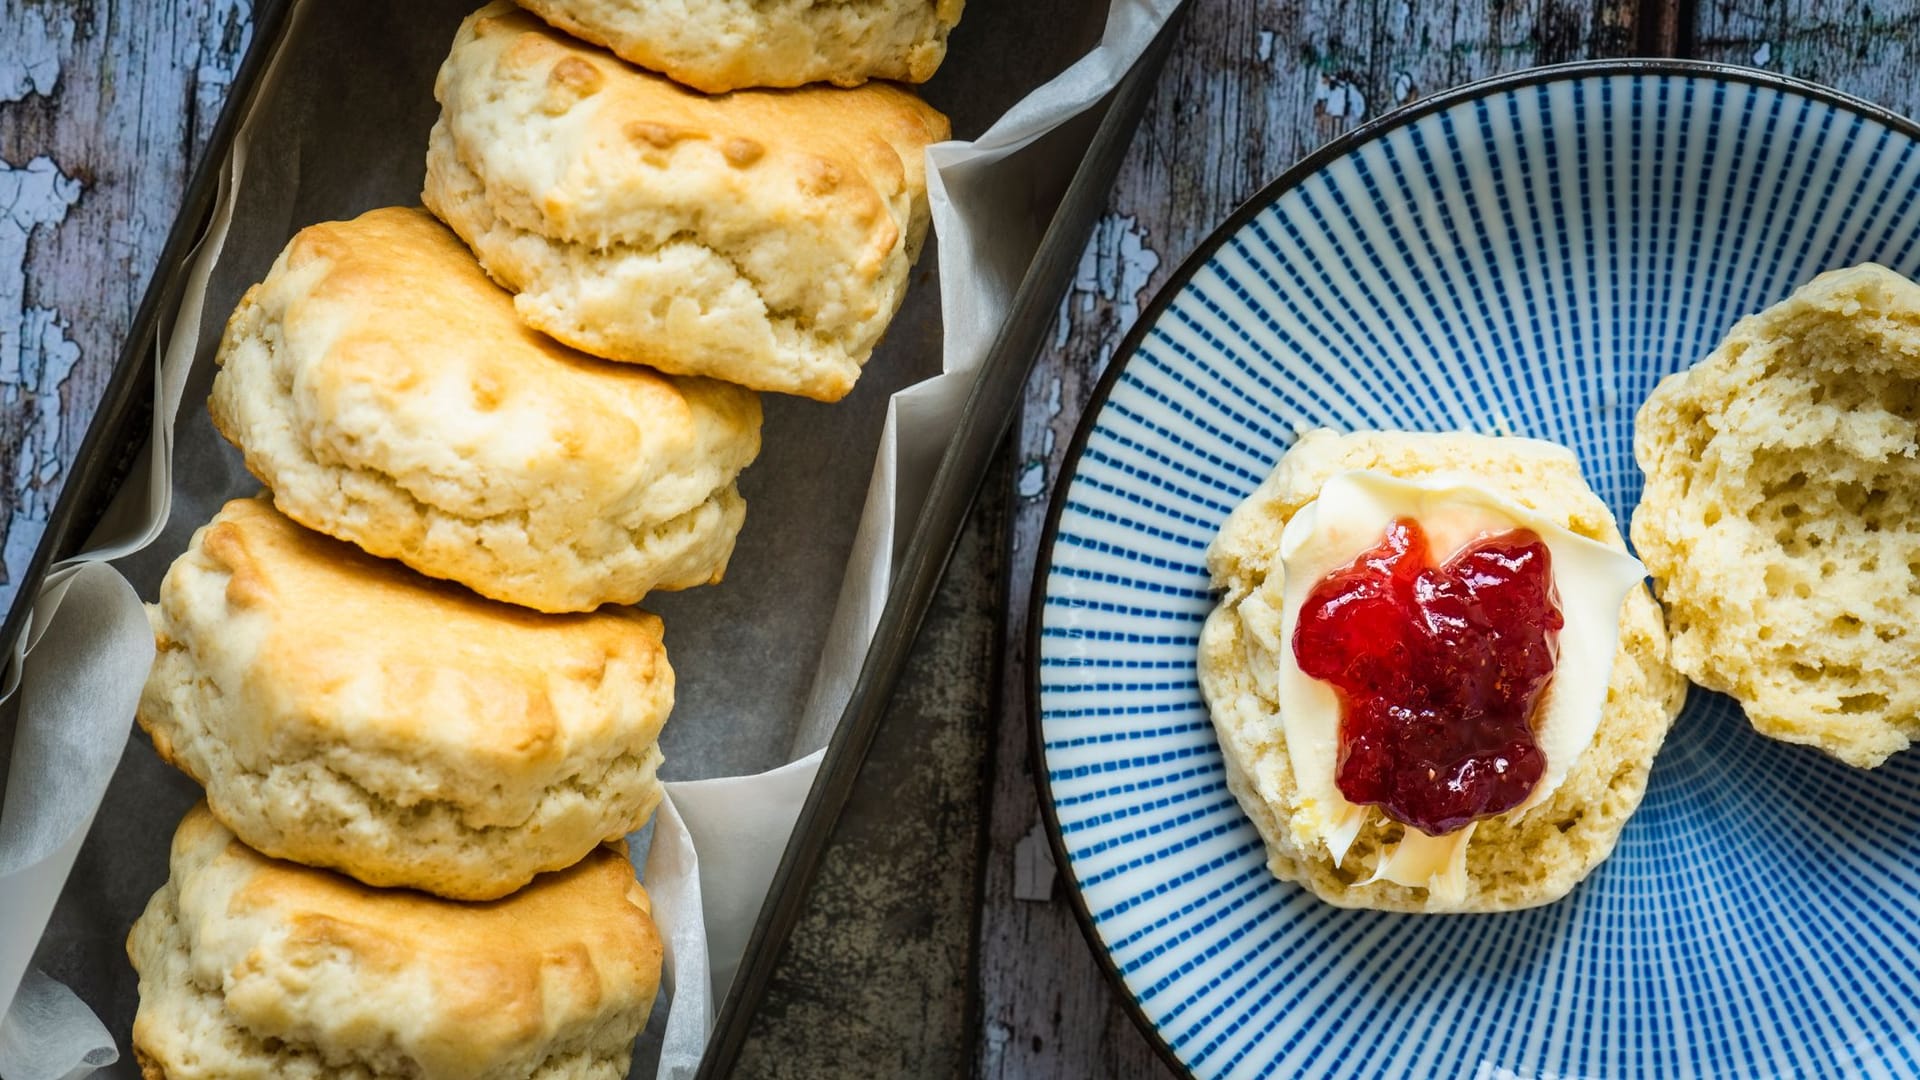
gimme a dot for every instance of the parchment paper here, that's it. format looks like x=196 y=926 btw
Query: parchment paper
x=766 y=661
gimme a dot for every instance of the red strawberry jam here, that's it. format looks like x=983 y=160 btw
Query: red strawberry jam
x=1438 y=670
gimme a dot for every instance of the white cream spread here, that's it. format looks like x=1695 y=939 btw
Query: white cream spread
x=1350 y=516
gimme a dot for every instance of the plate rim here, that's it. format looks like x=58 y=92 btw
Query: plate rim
x=1269 y=193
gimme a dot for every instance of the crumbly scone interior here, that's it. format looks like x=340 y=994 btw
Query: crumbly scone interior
x=1781 y=518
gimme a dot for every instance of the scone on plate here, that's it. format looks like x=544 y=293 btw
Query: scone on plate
x=256 y=969
x=385 y=391
x=1781 y=517
x=343 y=711
x=721 y=45
x=1437 y=679
x=763 y=237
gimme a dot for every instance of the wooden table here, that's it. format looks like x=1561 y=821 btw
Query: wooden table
x=937 y=942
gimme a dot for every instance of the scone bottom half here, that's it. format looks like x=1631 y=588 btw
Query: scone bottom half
x=1781 y=515
x=385 y=391
x=251 y=967
x=764 y=238
x=342 y=711
x=1259 y=697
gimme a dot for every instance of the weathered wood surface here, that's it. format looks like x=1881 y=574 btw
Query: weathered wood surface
x=103 y=105
x=1870 y=50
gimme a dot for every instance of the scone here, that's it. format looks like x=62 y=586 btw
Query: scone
x=384 y=390
x=1781 y=517
x=343 y=711
x=721 y=45
x=763 y=238
x=1610 y=674
x=256 y=969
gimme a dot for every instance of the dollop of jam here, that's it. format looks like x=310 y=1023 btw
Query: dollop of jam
x=1438 y=670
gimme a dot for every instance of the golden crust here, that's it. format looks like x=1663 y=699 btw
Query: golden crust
x=722 y=45
x=314 y=967
x=386 y=392
x=1509 y=866
x=344 y=711
x=762 y=237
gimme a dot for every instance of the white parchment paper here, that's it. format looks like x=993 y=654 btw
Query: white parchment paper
x=715 y=841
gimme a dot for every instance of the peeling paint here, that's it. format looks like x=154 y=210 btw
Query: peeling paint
x=1403 y=88
x=1339 y=98
x=36 y=356
x=1263 y=49
x=1033 y=479
x=32 y=196
x=1763 y=55
x=221 y=54
x=1116 y=268
x=45 y=358
x=31 y=62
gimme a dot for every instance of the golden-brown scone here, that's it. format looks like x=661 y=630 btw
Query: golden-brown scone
x=256 y=969
x=343 y=711
x=1509 y=865
x=721 y=45
x=1781 y=517
x=763 y=237
x=384 y=390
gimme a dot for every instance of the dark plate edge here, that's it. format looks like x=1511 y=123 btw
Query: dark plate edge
x=1293 y=177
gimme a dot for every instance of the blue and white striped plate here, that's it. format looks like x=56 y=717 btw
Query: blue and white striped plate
x=1526 y=255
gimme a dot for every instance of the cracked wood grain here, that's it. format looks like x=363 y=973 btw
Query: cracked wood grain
x=1870 y=50
x=104 y=105
x=1252 y=88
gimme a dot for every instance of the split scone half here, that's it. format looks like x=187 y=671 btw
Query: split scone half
x=387 y=394
x=1781 y=516
x=763 y=237
x=721 y=45
x=342 y=711
x=256 y=969
x=1286 y=737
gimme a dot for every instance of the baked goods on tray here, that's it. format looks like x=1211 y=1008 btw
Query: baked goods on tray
x=720 y=45
x=448 y=775
x=256 y=969
x=384 y=390
x=1780 y=514
x=763 y=237
x=343 y=711
x=1356 y=588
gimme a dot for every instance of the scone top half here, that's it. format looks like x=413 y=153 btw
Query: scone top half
x=763 y=237
x=1511 y=860
x=386 y=393
x=251 y=967
x=1781 y=517
x=346 y=712
x=721 y=45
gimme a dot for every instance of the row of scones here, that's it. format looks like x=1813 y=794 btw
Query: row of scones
x=408 y=674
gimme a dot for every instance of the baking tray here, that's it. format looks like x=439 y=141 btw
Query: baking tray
x=1026 y=45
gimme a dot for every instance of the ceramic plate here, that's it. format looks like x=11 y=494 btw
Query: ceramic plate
x=1527 y=255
